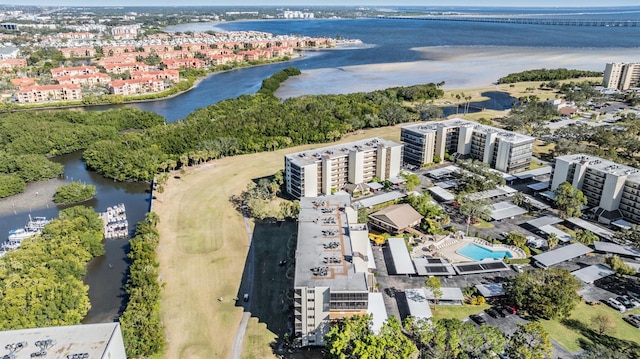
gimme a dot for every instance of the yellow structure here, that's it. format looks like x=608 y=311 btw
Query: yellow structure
x=377 y=239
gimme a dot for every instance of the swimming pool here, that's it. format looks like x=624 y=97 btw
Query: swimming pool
x=478 y=253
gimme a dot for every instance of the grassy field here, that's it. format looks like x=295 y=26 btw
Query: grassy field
x=202 y=254
x=579 y=326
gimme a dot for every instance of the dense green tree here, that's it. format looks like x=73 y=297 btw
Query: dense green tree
x=547 y=75
x=530 y=341
x=586 y=237
x=552 y=240
x=41 y=283
x=617 y=264
x=530 y=117
x=353 y=338
x=434 y=285
x=474 y=208
x=411 y=180
x=10 y=185
x=569 y=200
x=516 y=239
x=74 y=192
x=424 y=204
x=544 y=293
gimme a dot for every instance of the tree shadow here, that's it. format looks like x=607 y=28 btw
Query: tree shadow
x=594 y=338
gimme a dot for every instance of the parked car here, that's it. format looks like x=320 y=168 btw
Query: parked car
x=492 y=312
x=503 y=311
x=632 y=320
x=634 y=302
x=478 y=318
x=626 y=302
x=245 y=297
x=517 y=268
x=615 y=304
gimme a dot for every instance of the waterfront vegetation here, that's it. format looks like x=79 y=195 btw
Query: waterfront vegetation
x=27 y=139
x=41 y=284
x=547 y=75
x=74 y=192
x=142 y=329
x=251 y=123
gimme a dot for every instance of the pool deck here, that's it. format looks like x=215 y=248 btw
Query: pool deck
x=447 y=247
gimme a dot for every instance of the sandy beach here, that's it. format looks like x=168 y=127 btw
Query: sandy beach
x=461 y=67
x=37 y=195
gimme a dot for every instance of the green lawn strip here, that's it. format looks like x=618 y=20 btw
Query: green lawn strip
x=583 y=313
x=456 y=311
x=483 y=224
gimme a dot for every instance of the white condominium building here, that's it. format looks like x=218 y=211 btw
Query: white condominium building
x=328 y=169
x=503 y=150
x=622 y=76
x=333 y=275
x=612 y=189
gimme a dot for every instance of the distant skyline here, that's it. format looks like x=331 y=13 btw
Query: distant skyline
x=293 y=3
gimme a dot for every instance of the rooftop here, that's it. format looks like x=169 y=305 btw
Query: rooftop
x=562 y=254
x=340 y=150
x=324 y=253
x=62 y=342
x=603 y=165
x=503 y=135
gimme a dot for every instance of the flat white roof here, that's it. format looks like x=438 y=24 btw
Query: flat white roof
x=442 y=172
x=433 y=266
x=532 y=173
x=379 y=199
x=442 y=193
x=378 y=311
x=92 y=339
x=401 y=258
x=418 y=303
x=448 y=293
x=505 y=209
x=492 y=193
x=562 y=235
x=562 y=254
x=609 y=247
x=599 y=231
x=371 y=263
x=544 y=221
x=490 y=290
x=592 y=273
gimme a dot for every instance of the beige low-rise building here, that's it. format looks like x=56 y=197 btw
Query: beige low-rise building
x=49 y=93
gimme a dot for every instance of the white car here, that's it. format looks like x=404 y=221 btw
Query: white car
x=615 y=304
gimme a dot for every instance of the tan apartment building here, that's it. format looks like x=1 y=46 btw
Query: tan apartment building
x=622 y=76
x=612 y=189
x=136 y=86
x=333 y=276
x=503 y=150
x=46 y=93
x=328 y=169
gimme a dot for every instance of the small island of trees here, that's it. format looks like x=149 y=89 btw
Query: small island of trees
x=74 y=192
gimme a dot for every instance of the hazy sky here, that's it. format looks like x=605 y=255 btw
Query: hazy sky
x=292 y=3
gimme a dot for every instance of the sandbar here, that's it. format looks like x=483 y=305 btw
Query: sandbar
x=460 y=67
x=36 y=195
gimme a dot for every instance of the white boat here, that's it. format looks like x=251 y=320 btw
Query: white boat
x=20 y=234
x=16 y=236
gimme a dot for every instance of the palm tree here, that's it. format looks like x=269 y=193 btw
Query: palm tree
x=586 y=237
x=552 y=240
x=474 y=208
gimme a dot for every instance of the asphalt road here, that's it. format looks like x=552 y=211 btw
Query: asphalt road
x=236 y=351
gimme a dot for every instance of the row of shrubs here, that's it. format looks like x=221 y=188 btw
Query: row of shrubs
x=141 y=327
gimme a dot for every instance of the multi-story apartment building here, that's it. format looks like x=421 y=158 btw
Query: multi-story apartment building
x=136 y=86
x=73 y=71
x=611 y=188
x=503 y=150
x=325 y=170
x=622 y=76
x=45 y=93
x=332 y=276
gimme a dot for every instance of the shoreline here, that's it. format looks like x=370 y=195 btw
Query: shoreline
x=460 y=67
x=37 y=195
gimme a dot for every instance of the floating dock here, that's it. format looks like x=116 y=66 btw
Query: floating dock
x=115 y=221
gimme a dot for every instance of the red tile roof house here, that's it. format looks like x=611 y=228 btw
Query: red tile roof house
x=46 y=93
x=120 y=68
x=88 y=79
x=121 y=59
x=135 y=86
x=117 y=50
x=173 y=75
x=73 y=71
x=13 y=63
x=22 y=82
x=177 y=64
x=86 y=51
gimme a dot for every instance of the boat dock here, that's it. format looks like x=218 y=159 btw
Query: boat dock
x=16 y=236
x=115 y=221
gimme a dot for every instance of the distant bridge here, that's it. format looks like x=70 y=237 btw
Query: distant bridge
x=522 y=20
